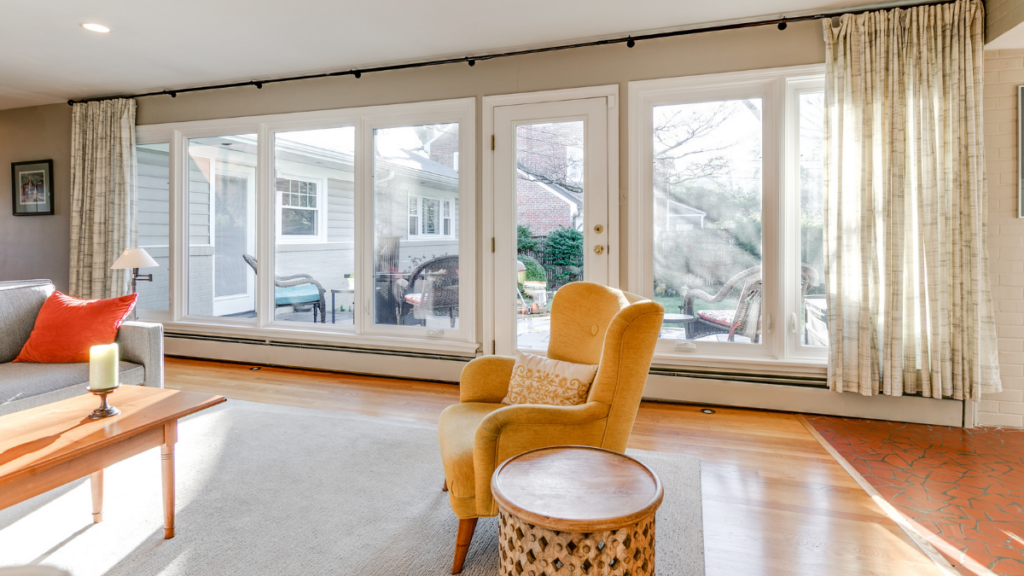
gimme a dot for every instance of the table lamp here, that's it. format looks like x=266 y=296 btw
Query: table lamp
x=135 y=258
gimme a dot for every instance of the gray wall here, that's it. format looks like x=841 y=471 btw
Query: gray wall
x=36 y=246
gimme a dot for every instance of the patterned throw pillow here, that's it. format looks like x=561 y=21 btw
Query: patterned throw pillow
x=540 y=380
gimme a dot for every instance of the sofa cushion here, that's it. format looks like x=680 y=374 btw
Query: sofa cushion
x=68 y=327
x=20 y=302
x=20 y=380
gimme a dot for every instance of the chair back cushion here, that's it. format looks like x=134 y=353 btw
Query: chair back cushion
x=580 y=315
x=20 y=302
x=540 y=380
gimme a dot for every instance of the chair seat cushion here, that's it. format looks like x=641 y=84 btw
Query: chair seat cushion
x=456 y=431
x=296 y=295
x=720 y=317
x=414 y=299
x=20 y=380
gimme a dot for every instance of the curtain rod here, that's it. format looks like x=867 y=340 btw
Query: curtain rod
x=629 y=41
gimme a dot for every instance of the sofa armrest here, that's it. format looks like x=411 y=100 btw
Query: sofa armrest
x=143 y=343
x=486 y=379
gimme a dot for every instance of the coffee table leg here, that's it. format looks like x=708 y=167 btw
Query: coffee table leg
x=96 y=480
x=167 y=464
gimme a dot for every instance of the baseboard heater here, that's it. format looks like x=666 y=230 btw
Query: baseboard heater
x=310 y=346
x=810 y=381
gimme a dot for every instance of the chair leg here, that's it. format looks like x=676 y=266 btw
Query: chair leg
x=445 y=489
x=462 y=540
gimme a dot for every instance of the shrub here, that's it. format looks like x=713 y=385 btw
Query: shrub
x=563 y=251
x=524 y=239
x=534 y=271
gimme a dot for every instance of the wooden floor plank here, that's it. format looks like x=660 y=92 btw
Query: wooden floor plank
x=775 y=502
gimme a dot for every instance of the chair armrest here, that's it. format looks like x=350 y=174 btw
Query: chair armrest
x=519 y=428
x=143 y=343
x=486 y=379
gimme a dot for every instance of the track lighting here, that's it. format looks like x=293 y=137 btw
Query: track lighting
x=630 y=43
x=782 y=25
x=472 y=62
x=357 y=74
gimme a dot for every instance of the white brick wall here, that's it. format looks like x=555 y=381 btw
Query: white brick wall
x=1004 y=71
x=1001 y=16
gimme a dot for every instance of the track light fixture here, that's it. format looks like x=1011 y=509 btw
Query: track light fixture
x=630 y=43
x=782 y=25
x=357 y=74
x=472 y=62
x=258 y=85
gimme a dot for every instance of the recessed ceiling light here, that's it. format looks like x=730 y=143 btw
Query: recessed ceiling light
x=93 y=27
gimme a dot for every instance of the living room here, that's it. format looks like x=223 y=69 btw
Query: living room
x=457 y=289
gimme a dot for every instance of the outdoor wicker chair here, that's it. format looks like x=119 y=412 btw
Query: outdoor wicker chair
x=745 y=320
x=433 y=286
x=296 y=289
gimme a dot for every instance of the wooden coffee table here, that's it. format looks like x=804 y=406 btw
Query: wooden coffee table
x=576 y=510
x=48 y=446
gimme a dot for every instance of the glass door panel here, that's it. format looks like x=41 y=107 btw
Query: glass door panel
x=811 y=148
x=549 y=222
x=707 y=220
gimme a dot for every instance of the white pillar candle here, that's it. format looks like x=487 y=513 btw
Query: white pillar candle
x=103 y=370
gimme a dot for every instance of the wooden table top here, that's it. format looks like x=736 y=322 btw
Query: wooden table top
x=54 y=433
x=576 y=488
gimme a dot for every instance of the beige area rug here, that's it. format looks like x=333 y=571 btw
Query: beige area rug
x=265 y=489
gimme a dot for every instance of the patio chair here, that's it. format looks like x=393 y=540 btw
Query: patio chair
x=745 y=320
x=296 y=289
x=432 y=286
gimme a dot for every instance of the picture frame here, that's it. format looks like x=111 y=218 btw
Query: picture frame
x=32 y=188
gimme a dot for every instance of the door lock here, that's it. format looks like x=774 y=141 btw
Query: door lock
x=598 y=228
x=599 y=249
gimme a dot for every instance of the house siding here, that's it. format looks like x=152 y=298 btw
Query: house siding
x=154 y=226
x=1004 y=71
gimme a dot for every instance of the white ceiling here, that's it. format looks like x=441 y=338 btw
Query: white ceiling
x=45 y=56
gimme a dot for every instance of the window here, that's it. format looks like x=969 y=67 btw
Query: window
x=418 y=275
x=727 y=203
x=298 y=225
x=299 y=203
x=430 y=217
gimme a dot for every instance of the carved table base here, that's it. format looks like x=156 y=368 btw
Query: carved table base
x=529 y=550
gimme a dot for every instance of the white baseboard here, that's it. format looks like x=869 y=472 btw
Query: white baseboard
x=397 y=365
x=804 y=399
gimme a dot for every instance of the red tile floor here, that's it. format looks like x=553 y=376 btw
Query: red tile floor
x=962 y=489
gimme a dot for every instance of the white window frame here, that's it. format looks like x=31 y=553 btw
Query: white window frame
x=778 y=349
x=321 y=211
x=461 y=341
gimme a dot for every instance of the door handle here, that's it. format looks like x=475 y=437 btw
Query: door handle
x=599 y=249
x=793 y=323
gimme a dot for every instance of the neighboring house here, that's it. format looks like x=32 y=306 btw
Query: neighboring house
x=545 y=207
x=416 y=201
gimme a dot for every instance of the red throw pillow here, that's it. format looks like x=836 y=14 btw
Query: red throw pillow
x=67 y=327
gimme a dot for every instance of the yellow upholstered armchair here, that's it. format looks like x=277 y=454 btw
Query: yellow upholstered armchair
x=590 y=324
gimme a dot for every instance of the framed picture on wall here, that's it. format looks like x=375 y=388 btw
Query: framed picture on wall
x=32 y=187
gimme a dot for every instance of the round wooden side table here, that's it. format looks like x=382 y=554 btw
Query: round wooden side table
x=576 y=510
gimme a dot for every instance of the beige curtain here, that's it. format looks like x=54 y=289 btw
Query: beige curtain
x=103 y=195
x=910 y=308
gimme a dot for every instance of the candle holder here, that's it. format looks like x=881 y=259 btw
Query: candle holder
x=105 y=410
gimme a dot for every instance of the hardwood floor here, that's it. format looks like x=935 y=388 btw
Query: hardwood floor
x=775 y=502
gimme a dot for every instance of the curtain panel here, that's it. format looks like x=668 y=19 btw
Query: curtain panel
x=907 y=276
x=103 y=196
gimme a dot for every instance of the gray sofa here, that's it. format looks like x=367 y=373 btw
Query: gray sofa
x=25 y=385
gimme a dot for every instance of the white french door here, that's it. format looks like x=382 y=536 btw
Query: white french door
x=233 y=192
x=554 y=218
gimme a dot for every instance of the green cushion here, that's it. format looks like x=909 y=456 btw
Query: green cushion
x=296 y=295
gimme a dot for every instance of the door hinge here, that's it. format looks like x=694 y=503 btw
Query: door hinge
x=492 y=141
x=492 y=245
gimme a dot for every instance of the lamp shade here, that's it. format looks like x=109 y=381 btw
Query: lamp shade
x=134 y=258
